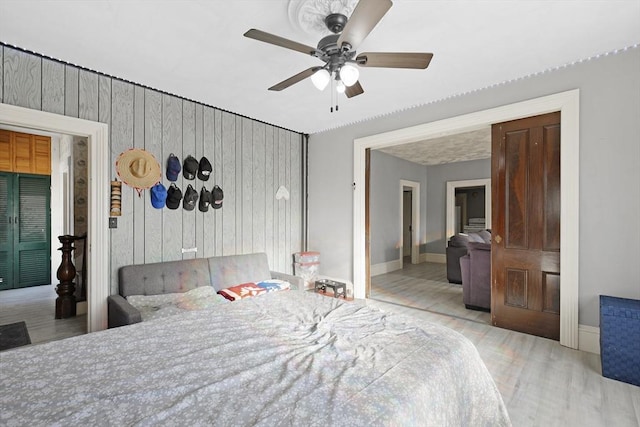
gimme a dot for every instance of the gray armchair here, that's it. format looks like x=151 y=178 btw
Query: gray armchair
x=456 y=248
x=476 y=276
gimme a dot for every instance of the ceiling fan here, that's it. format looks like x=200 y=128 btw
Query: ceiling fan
x=338 y=50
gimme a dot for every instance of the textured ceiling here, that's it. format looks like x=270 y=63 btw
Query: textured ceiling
x=462 y=147
x=196 y=49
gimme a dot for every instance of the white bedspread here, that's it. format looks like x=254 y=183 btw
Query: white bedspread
x=284 y=358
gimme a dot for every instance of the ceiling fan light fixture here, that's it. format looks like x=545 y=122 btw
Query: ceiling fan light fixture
x=340 y=86
x=349 y=74
x=320 y=79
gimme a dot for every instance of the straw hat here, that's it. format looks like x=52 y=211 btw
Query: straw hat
x=138 y=169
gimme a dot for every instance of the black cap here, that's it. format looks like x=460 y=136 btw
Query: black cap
x=204 y=169
x=205 y=200
x=190 y=198
x=174 y=195
x=216 y=197
x=190 y=167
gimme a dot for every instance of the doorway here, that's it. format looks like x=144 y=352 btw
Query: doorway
x=98 y=169
x=409 y=221
x=406 y=225
x=568 y=104
x=452 y=188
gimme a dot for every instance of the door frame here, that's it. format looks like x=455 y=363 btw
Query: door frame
x=97 y=135
x=568 y=103
x=451 y=202
x=415 y=220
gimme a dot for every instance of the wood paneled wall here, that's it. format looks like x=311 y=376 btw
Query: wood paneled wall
x=250 y=160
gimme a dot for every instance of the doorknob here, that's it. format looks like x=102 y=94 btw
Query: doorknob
x=498 y=239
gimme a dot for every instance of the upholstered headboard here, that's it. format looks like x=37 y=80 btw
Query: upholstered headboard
x=234 y=270
x=163 y=277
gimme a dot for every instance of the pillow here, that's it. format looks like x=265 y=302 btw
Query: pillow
x=475 y=237
x=200 y=298
x=458 y=240
x=252 y=289
x=155 y=306
x=244 y=290
x=153 y=301
x=486 y=236
x=150 y=313
x=274 y=285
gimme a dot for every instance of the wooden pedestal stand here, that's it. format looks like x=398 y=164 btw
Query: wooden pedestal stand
x=66 y=301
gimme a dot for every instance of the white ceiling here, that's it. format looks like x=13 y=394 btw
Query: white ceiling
x=196 y=49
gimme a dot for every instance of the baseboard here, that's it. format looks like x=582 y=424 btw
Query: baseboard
x=386 y=267
x=81 y=308
x=433 y=257
x=589 y=339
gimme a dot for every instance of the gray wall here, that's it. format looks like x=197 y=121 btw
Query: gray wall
x=250 y=161
x=437 y=177
x=385 y=213
x=609 y=245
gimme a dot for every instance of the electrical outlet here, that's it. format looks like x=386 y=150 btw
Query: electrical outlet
x=113 y=222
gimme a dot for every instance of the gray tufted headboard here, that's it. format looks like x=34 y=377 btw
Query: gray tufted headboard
x=163 y=277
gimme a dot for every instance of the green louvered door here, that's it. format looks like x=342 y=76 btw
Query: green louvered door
x=25 y=236
x=6 y=231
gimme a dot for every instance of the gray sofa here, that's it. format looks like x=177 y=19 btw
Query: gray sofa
x=182 y=276
x=476 y=276
x=456 y=248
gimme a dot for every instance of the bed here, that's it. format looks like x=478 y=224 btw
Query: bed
x=289 y=358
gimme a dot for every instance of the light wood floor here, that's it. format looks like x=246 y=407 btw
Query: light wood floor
x=542 y=383
x=36 y=306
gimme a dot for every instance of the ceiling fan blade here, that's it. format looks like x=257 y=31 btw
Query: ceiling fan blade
x=353 y=90
x=364 y=18
x=279 y=41
x=394 y=59
x=294 y=79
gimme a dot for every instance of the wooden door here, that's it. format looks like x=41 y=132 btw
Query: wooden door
x=25 y=233
x=6 y=230
x=525 y=255
x=407 y=211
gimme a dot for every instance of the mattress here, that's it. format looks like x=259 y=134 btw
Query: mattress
x=287 y=358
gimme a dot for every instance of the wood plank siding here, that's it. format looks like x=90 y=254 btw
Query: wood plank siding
x=250 y=161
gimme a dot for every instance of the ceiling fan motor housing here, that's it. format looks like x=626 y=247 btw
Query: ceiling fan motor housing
x=330 y=53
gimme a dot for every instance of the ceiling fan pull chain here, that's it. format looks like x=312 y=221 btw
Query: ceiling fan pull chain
x=332 y=90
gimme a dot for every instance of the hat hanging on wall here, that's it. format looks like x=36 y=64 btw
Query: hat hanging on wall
x=138 y=169
x=116 y=198
x=205 y=200
x=173 y=167
x=216 y=197
x=190 y=168
x=190 y=198
x=158 y=196
x=204 y=169
x=174 y=195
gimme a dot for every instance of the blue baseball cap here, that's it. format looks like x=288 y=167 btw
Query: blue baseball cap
x=158 y=196
x=173 y=167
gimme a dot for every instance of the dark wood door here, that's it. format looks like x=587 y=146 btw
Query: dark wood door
x=525 y=255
